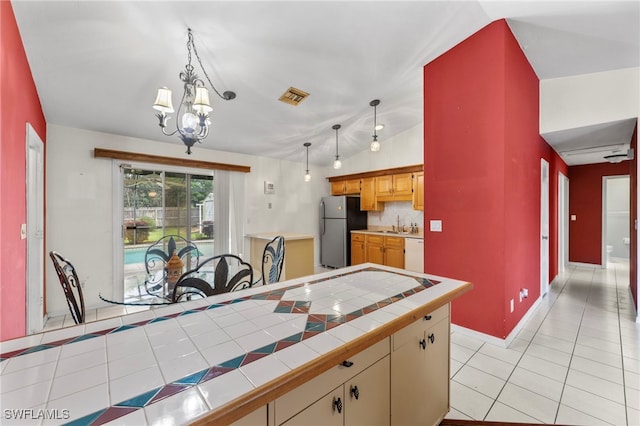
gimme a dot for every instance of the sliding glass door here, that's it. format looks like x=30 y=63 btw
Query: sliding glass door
x=159 y=203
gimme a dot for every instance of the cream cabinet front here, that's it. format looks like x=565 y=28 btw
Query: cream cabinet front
x=363 y=400
x=420 y=371
x=351 y=393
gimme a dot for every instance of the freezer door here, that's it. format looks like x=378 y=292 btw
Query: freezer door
x=335 y=207
x=333 y=250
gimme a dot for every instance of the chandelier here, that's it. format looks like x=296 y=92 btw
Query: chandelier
x=192 y=123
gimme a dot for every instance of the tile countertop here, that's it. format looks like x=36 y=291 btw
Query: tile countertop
x=419 y=235
x=216 y=358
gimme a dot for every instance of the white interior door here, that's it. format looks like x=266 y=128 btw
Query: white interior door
x=544 y=227
x=563 y=222
x=35 y=231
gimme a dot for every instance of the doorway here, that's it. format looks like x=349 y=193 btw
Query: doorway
x=616 y=224
x=563 y=222
x=544 y=227
x=157 y=202
x=34 y=232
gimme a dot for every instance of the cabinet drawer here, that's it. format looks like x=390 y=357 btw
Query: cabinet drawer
x=375 y=239
x=394 y=242
x=301 y=397
x=357 y=238
x=413 y=332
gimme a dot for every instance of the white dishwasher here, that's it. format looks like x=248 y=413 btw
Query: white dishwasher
x=414 y=254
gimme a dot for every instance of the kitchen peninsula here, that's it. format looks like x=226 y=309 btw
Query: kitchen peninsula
x=342 y=343
x=298 y=252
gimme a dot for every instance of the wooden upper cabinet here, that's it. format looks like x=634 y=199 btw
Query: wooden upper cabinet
x=397 y=187
x=345 y=187
x=418 y=191
x=368 y=200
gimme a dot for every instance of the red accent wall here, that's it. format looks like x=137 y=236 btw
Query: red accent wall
x=585 y=201
x=482 y=177
x=19 y=104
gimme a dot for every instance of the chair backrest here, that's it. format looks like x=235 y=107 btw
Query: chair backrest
x=70 y=285
x=273 y=260
x=215 y=275
x=159 y=253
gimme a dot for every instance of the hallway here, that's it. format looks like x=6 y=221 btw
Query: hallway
x=576 y=361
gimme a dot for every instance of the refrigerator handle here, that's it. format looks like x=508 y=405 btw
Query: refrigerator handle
x=322 y=218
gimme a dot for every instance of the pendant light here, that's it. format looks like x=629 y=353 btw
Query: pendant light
x=337 y=163
x=375 y=145
x=307 y=175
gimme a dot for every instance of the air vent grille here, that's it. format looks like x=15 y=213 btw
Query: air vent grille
x=293 y=96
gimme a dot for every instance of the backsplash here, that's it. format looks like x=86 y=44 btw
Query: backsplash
x=394 y=209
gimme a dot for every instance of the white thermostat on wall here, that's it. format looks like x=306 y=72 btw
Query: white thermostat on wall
x=269 y=187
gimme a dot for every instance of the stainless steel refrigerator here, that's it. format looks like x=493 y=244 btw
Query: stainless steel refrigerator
x=339 y=215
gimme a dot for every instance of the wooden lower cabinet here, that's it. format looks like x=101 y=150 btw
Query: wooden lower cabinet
x=420 y=371
x=358 y=254
x=384 y=250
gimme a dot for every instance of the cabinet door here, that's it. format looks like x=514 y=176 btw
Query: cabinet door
x=437 y=369
x=418 y=191
x=419 y=364
x=328 y=410
x=256 y=418
x=384 y=186
x=402 y=185
x=357 y=249
x=368 y=201
x=394 y=252
x=352 y=186
x=337 y=188
x=367 y=396
x=375 y=249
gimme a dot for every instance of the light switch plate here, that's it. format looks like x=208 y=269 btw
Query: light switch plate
x=573 y=217
x=435 y=225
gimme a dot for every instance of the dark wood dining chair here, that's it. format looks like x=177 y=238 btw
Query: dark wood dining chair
x=272 y=261
x=218 y=274
x=157 y=256
x=70 y=285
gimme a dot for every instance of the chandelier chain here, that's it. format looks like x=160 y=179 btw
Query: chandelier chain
x=192 y=44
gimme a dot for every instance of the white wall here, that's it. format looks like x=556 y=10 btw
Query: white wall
x=584 y=100
x=79 y=205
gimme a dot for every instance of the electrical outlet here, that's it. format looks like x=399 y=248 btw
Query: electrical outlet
x=512 y=306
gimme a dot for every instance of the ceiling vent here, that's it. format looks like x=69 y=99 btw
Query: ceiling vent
x=293 y=96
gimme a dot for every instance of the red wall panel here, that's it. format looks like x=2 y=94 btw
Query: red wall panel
x=482 y=177
x=19 y=104
x=585 y=201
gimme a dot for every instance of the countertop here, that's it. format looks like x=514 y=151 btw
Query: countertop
x=419 y=235
x=287 y=236
x=214 y=359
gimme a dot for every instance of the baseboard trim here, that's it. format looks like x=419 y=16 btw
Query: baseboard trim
x=587 y=265
x=506 y=342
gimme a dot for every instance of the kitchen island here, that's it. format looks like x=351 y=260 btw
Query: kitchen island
x=267 y=355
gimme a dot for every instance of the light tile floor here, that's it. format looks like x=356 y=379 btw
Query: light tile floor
x=576 y=361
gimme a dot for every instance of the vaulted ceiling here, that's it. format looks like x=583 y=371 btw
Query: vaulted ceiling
x=97 y=64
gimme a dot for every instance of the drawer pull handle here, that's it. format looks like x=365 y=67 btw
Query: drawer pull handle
x=355 y=392
x=347 y=363
x=337 y=404
x=432 y=337
x=423 y=344
x=427 y=317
